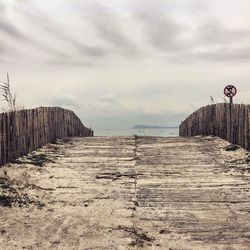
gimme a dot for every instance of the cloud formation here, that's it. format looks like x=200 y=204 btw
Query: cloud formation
x=163 y=32
x=117 y=63
x=64 y=34
x=109 y=28
x=6 y=25
x=125 y=31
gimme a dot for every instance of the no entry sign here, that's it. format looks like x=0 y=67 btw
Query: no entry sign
x=230 y=91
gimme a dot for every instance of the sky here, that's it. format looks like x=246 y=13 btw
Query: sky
x=118 y=63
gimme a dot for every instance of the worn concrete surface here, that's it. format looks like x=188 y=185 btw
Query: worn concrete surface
x=128 y=193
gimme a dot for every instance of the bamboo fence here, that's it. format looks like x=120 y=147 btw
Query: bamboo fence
x=228 y=121
x=24 y=131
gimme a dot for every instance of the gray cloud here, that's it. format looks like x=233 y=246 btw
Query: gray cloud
x=90 y=51
x=2 y=8
x=210 y=41
x=108 y=27
x=6 y=25
x=69 y=63
x=8 y=28
x=110 y=103
x=225 y=54
x=186 y=51
x=4 y=50
x=213 y=32
x=65 y=101
x=109 y=98
x=110 y=33
x=214 y=43
x=59 y=32
x=12 y=32
x=163 y=31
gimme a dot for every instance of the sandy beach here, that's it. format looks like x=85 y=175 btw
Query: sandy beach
x=127 y=193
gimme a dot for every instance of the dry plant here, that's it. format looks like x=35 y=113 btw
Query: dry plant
x=9 y=97
x=224 y=99
x=211 y=99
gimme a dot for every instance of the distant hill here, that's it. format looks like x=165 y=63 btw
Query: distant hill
x=149 y=127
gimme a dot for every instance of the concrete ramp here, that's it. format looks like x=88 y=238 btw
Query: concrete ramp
x=131 y=193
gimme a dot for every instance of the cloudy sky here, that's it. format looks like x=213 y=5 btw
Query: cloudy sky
x=118 y=63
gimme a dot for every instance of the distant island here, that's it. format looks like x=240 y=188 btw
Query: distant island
x=149 y=127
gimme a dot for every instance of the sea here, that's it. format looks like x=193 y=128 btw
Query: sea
x=163 y=132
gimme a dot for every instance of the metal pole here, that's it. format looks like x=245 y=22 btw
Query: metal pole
x=230 y=120
x=231 y=127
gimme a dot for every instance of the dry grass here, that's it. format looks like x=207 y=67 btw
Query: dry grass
x=9 y=98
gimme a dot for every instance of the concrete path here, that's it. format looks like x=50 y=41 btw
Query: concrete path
x=128 y=193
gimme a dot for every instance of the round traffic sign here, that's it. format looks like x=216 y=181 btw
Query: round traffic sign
x=230 y=91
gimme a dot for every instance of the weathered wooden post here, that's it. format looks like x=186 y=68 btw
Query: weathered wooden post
x=230 y=91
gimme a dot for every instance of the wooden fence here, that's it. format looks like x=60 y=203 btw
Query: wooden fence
x=24 y=131
x=228 y=121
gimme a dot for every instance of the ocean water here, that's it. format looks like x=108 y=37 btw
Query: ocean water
x=164 y=132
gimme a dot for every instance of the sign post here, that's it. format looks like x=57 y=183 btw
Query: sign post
x=230 y=91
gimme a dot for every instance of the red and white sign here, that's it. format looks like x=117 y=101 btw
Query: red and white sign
x=230 y=91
